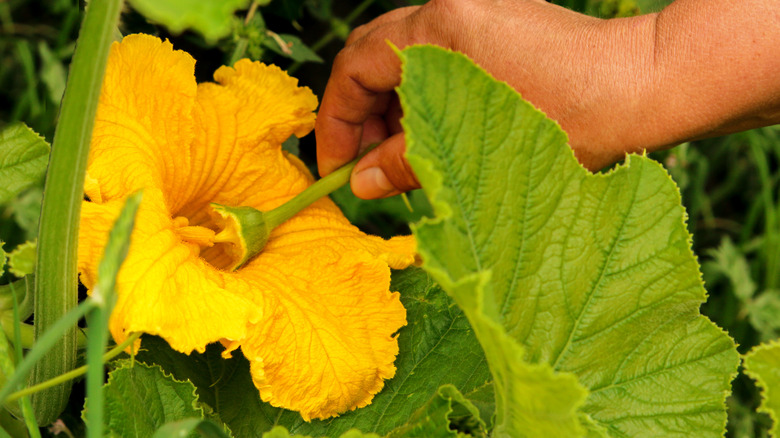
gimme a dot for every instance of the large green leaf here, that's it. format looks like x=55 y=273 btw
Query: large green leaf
x=585 y=275
x=437 y=346
x=140 y=399
x=763 y=365
x=23 y=158
x=212 y=18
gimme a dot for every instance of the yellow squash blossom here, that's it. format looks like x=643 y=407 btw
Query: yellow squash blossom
x=312 y=313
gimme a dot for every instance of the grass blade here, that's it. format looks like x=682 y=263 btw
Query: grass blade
x=56 y=283
x=97 y=320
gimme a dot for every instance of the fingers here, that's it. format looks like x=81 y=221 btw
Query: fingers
x=363 y=77
x=384 y=171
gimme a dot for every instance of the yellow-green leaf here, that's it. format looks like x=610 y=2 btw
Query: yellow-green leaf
x=576 y=284
x=23 y=158
x=21 y=261
x=212 y=18
x=762 y=364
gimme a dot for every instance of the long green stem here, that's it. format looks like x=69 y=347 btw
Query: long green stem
x=248 y=228
x=80 y=371
x=56 y=283
x=323 y=187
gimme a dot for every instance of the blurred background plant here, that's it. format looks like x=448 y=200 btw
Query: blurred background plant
x=729 y=185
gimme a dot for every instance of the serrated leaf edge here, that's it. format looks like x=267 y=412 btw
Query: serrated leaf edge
x=761 y=383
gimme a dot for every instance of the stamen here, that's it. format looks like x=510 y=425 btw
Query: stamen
x=200 y=236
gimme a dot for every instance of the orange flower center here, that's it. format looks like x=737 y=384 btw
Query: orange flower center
x=202 y=241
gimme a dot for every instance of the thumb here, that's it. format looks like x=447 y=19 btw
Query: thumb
x=384 y=171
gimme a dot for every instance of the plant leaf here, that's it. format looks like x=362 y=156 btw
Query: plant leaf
x=763 y=313
x=212 y=18
x=27 y=211
x=281 y=432
x=3 y=257
x=731 y=262
x=588 y=275
x=21 y=261
x=24 y=157
x=437 y=346
x=139 y=399
x=762 y=364
x=293 y=48
x=434 y=418
x=189 y=427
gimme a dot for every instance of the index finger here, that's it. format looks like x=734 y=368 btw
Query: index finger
x=361 y=73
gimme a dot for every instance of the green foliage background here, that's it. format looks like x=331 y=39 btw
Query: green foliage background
x=729 y=185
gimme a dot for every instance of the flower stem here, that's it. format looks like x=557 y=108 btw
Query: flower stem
x=56 y=283
x=247 y=229
x=323 y=187
x=80 y=371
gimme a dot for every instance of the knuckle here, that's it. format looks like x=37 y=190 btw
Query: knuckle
x=356 y=34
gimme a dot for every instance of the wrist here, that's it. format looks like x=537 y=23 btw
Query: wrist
x=615 y=110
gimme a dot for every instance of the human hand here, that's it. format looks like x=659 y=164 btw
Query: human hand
x=521 y=42
x=615 y=86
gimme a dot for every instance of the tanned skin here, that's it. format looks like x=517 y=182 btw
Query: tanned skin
x=699 y=68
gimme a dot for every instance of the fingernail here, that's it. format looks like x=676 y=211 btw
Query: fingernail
x=371 y=183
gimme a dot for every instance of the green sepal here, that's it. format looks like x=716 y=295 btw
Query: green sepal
x=248 y=228
x=245 y=229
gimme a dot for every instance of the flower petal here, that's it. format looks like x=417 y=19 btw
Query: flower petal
x=325 y=344
x=163 y=287
x=242 y=122
x=143 y=119
x=273 y=107
x=324 y=222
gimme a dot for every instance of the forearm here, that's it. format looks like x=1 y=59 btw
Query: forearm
x=699 y=68
x=717 y=68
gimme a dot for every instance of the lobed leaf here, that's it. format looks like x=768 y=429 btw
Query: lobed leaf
x=762 y=364
x=23 y=159
x=139 y=399
x=570 y=280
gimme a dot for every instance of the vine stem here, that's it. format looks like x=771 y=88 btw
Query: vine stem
x=321 y=188
x=56 y=275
